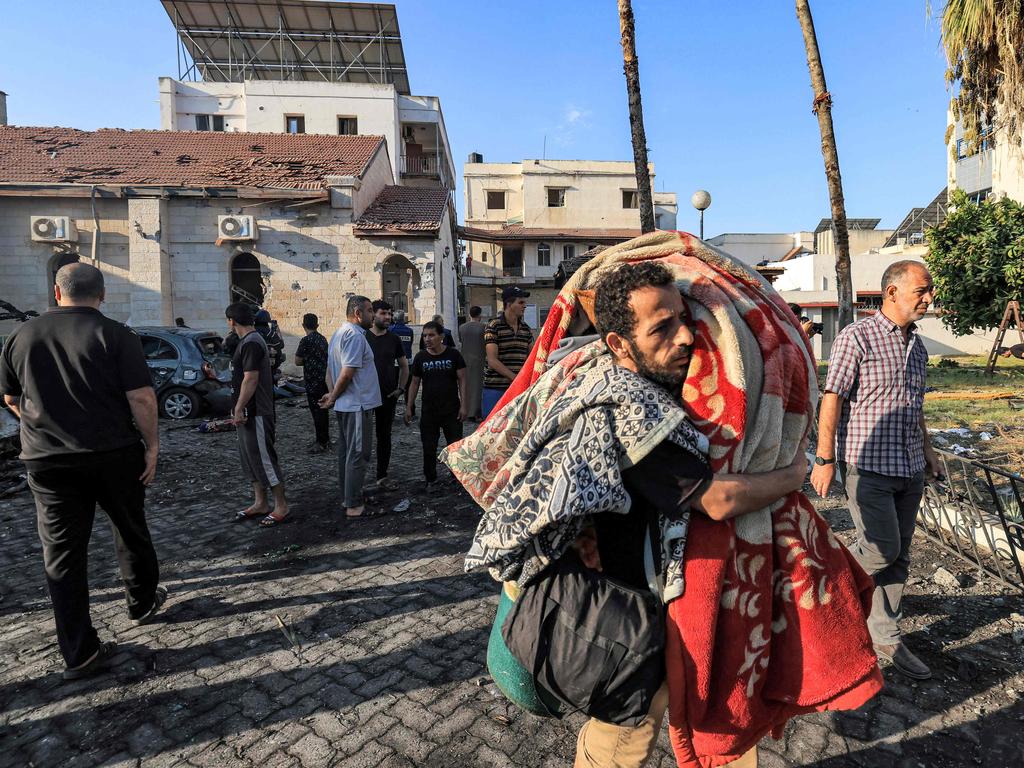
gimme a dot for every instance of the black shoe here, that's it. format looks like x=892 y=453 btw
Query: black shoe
x=159 y=598
x=94 y=664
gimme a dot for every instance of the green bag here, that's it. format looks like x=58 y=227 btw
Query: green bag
x=511 y=677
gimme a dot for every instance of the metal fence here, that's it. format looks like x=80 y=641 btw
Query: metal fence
x=976 y=513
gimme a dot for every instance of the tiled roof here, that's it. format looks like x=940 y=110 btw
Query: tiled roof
x=519 y=232
x=187 y=159
x=404 y=209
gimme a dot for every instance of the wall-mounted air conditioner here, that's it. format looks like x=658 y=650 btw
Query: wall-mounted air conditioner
x=237 y=228
x=53 y=229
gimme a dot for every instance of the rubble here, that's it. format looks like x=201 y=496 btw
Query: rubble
x=947 y=579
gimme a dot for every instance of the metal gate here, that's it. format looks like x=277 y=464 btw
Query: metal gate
x=976 y=513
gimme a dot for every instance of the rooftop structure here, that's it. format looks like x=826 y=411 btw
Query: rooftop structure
x=238 y=40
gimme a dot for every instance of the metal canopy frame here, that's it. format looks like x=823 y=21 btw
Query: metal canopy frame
x=315 y=40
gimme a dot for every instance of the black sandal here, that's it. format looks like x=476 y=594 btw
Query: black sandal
x=270 y=521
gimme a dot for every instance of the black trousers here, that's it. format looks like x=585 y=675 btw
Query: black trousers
x=383 y=419
x=321 y=417
x=66 y=500
x=431 y=427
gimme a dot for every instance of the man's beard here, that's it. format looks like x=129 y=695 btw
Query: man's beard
x=383 y=326
x=660 y=375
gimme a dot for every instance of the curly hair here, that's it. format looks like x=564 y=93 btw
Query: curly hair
x=612 y=312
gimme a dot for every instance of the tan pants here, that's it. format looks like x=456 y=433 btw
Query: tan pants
x=604 y=745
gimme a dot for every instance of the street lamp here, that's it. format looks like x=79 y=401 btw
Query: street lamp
x=701 y=200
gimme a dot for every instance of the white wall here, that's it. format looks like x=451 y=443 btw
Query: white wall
x=754 y=247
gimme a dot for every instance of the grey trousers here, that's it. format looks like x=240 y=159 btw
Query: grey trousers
x=884 y=510
x=355 y=442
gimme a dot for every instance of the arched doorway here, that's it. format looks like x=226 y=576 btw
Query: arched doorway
x=56 y=262
x=399 y=280
x=246 y=279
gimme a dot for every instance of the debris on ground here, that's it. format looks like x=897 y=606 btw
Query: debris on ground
x=402 y=506
x=217 y=425
x=948 y=579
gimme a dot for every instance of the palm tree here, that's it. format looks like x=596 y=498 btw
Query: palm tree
x=631 y=66
x=822 y=107
x=984 y=42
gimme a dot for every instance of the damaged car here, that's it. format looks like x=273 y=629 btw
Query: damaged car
x=189 y=370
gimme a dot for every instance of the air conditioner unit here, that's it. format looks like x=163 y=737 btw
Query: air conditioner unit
x=237 y=228
x=53 y=229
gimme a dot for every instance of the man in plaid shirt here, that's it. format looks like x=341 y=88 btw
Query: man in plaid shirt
x=872 y=423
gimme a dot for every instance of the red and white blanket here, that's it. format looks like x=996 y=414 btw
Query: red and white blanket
x=772 y=620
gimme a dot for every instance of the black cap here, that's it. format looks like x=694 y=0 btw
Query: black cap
x=513 y=292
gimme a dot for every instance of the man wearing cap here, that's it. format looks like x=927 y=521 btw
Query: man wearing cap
x=507 y=343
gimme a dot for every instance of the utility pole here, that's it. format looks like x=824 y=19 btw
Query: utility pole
x=631 y=67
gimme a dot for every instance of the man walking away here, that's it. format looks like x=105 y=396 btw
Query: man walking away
x=392 y=376
x=311 y=356
x=442 y=372
x=507 y=343
x=252 y=392
x=449 y=341
x=872 y=423
x=471 y=334
x=80 y=385
x=354 y=393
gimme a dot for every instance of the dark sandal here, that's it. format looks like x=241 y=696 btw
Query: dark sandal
x=93 y=665
x=241 y=515
x=270 y=521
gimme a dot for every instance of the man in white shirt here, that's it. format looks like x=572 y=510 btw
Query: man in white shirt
x=354 y=394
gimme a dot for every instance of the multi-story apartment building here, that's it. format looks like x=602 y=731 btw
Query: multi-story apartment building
x=304 y=66
x=996 y=167
x=523 y=219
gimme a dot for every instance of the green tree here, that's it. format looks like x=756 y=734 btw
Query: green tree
x=984 y=43
x=976 y=257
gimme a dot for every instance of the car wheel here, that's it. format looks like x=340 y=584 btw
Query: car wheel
x=179 y=404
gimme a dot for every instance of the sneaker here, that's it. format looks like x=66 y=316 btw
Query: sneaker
x=387 y=483
x=429 y=486
x=903 y=660
x=95 y=663
x=159 y=598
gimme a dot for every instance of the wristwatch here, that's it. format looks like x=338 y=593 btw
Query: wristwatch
x=822 y=462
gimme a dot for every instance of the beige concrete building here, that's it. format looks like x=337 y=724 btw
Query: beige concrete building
x=996 y=167
x=183 y=223
x=523 y=219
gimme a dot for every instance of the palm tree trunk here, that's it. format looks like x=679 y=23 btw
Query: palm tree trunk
x=822 y=107
x=631 y=66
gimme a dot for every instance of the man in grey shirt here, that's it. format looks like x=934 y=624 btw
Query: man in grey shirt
x=471 y=334
x=354 y=394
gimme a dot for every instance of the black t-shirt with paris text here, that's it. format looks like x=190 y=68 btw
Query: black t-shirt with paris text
x=439 y=380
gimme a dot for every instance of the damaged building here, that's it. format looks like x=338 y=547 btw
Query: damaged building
x=182 y=223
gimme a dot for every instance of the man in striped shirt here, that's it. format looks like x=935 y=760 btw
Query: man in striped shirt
x=872 y=423
x=507 y=343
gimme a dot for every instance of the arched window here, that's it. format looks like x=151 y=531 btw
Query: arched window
x=399 y=282
x=246 y=279
x=543 y=255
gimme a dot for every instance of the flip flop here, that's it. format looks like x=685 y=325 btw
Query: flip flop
x=241 y=515
x=270 y=521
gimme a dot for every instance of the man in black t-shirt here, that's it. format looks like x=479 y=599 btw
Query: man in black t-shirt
x=442 y=372
x=392 y=375
x=80 y=385
x=311 y=356
x=252 y=395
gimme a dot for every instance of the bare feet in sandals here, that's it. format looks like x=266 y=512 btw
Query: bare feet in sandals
x=253 y=511
x=274 y=518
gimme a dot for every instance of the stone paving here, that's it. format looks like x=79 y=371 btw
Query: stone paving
x=326 y=642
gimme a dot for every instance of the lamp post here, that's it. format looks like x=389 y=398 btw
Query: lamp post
x=701 y=200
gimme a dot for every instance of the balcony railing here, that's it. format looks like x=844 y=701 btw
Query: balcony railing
x=420 y=165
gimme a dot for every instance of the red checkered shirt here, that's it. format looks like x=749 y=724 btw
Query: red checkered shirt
x=881 y=380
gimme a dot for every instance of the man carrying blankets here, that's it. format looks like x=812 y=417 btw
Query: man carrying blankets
x=696 y=396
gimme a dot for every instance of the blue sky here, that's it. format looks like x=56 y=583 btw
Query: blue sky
x=725 y=87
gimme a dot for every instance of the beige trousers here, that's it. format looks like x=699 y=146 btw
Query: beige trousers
x=604 y=745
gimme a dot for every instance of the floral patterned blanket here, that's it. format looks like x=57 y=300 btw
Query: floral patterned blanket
x=770 y=622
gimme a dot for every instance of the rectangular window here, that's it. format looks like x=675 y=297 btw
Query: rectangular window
x=630 y=198
x=295 y=123
x=209 y=122
x=568 y=251
x=348 y=126
x=556 y=197
x=824 y=283
x=543 y=255
x=496 y=201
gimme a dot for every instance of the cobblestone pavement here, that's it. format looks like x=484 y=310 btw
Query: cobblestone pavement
x=389 y=669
